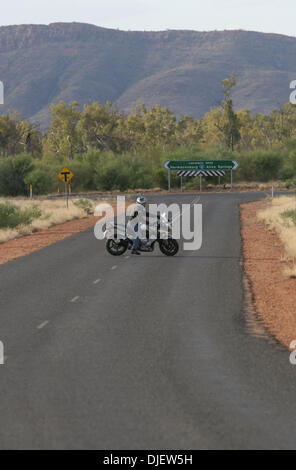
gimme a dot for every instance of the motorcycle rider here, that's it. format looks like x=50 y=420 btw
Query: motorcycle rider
x=140 y=205
x=138 y=211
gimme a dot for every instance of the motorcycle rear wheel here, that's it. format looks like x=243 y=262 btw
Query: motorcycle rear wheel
x=169 y=247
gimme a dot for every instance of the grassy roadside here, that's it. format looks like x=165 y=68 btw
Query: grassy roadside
x=20 y=217
x=281 y=217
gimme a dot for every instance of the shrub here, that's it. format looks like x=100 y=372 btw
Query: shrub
x=84 y=204
x=160 y=178
x=286 y=173
x=266 y=165
x=11 y=216
x=13 y=171
x=112 y=175
x=290 y=214
x=83 y=175
x=292 y=160
x=43 y=179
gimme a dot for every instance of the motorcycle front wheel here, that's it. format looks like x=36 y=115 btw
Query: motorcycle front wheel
x=169 y=247
x=115 y=248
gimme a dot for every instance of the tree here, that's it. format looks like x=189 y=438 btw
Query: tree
x=284 y=122
x=247 y=133
x=230 y=127
x=9 y=135
x=189 y=131
x=160 y=126
x=99 y=127
x=212 y=125
x=230 y=122
x=30 y=139
x=63 y=138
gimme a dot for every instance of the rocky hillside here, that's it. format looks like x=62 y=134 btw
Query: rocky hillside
x=40 y=65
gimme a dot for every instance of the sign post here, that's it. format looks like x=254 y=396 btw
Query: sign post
x=31 y=191
x=66 y=175
x=66 y=194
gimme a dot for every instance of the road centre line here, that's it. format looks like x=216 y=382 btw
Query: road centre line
x=75 y=298
x=42 y=325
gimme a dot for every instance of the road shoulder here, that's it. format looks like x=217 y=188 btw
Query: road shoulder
x=274 y=294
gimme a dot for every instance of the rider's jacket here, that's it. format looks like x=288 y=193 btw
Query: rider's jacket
x=139 y=210
x=144 y=216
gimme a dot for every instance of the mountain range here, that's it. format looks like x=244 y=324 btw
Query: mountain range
x=44 y=64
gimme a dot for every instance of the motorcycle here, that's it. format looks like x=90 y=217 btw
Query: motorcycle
x=119 y=239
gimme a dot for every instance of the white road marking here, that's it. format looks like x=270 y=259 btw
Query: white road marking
x=3 y=360
x=39 y=327
x=97 y=281
x=127 y=257
x=114 y=267
x=75 y=298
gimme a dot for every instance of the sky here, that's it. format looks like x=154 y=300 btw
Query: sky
x=273 y=16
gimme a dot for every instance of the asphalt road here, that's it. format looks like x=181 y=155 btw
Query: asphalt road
x=140 y=353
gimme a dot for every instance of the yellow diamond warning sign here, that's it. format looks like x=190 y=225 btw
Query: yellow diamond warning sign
x=65 y=175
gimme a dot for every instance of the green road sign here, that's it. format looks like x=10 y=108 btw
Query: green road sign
x=201 y=165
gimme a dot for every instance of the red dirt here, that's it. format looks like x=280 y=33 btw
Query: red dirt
x=274 y=294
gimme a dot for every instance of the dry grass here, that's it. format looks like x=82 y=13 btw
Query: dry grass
x=257 y=186
x=284 y=226
x=53 y=212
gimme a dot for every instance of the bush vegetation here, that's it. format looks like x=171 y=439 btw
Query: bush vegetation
x=290 y=214
x=12 y=216
x=107 y=150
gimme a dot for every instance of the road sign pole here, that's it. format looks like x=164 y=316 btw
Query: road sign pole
x=31 y=191
x=200 y=183
x=66 y=194
x=181 y=183
x=169 y=180
x=231 y=179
